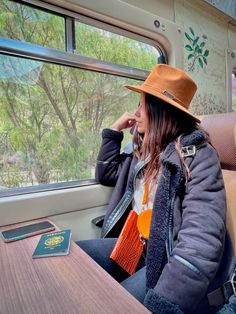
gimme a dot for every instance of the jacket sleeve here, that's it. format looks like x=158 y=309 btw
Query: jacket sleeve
x=110 y=160
x=200 y=242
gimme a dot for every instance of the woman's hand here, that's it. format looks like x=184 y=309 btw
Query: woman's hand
x=127 y=120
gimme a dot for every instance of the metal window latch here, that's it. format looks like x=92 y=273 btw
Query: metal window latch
x=233 y=283
x=187 y=151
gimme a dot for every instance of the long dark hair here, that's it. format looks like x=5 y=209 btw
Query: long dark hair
x=166 y=124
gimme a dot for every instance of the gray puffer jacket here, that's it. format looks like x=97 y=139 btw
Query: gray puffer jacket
x=189 y=253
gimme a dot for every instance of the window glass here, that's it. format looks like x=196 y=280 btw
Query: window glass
x=51 y=115
x=107 y=46
x=51 y=118
x=24 y=23
x=234 y=91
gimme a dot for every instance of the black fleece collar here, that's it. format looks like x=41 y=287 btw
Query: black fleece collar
x=169 y=155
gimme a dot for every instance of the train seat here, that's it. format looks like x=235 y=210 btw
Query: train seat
x=222 y=130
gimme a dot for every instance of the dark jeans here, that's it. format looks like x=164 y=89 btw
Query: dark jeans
x=100 y=251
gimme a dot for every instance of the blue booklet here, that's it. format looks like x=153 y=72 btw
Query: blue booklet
x=53 y=244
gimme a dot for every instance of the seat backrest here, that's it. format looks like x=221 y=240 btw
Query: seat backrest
x=230 y=185
x=222 y=130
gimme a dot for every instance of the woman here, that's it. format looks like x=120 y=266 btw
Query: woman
x=188 y=255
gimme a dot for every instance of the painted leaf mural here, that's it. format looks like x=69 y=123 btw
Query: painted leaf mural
x=195 y=48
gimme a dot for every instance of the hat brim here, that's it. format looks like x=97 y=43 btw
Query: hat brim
x=146 y=89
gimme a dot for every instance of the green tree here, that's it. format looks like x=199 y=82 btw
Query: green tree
x=54 y=114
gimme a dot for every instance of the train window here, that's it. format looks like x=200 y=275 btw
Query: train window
x=51 y=117
x=108 y=46
x=234 y=91
x=28 y=24
x=54 y=103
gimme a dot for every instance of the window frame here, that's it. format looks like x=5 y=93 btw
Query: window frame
x=233 y=73
x=69 y=58
x=230 y=69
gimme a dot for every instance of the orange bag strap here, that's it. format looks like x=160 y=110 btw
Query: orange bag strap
x=145 y=194
x=144 y=218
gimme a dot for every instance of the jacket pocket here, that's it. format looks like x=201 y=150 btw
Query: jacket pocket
x=192 y=267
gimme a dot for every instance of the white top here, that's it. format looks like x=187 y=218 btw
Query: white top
x=138 y=196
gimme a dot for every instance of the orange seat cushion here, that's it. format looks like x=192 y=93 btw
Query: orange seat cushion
x=230 y=186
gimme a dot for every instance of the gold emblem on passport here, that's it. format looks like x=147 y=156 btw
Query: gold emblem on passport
x=54 y=241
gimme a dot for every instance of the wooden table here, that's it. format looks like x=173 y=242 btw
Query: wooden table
x=62 y=284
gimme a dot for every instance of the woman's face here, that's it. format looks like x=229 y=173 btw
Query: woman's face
x=141 y=115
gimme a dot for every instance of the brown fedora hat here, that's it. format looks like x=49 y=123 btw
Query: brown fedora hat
x=171 y=85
